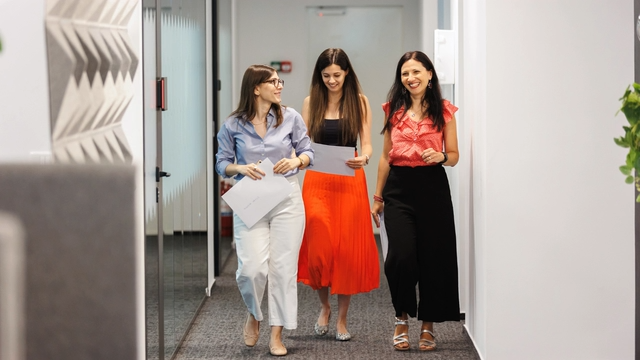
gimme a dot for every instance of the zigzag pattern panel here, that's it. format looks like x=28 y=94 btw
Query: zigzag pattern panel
x=92 y=63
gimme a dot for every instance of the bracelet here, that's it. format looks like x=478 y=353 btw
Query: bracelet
x=446 y=157
x=378 y=198
x=301 y=162
x=367 y=162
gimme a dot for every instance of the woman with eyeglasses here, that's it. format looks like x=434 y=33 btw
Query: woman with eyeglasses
x=339 y=253
x=258 y=129
x=413 y=190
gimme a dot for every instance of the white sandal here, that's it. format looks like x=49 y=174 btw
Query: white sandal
x=401 y=338
x=426 y=344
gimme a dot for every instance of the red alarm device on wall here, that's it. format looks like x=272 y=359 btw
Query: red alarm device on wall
x=285 y=66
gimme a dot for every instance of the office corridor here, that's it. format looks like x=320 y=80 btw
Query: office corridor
x=217 y=331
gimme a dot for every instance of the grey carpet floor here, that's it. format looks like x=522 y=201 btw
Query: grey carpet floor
x=217 y=330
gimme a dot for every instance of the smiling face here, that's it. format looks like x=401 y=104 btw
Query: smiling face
x=333 y=77
x=415 y=77
x=269 y=90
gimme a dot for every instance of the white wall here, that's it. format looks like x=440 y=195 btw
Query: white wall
x=551 y=220
x=24 y=109
x=276 y=30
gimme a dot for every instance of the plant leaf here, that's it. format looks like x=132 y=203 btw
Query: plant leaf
x=638 y=199
x=625 y=170
x=631 y=157
x=631 y=107
x=621 y=142
x=631 y=139
x=626 y=93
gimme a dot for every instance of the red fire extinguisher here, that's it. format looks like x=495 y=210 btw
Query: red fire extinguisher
x=226 y=214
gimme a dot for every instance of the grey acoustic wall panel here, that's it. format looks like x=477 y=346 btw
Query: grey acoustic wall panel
x=79 y=224
x=92 y=63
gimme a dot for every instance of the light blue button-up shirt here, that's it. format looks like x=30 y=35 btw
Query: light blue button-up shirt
x=238 y=140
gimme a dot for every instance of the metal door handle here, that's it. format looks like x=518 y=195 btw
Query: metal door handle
x=160 y=174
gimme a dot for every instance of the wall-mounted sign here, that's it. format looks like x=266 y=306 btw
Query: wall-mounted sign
x=283 y=66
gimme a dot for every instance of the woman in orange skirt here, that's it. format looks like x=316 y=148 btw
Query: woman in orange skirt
x=338 y=253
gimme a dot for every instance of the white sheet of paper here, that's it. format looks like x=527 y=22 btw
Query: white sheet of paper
x=332 y=159
x=384 y=241
x=252 y=199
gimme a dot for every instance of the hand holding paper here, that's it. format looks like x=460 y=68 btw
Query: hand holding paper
x=252 y=199
x=332 y=159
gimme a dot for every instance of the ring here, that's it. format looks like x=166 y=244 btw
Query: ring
x=428 y=157
x=255 y=167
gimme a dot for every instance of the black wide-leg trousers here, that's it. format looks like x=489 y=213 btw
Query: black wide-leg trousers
x=418 y=216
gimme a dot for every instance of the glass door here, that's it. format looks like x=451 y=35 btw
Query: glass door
x=153 y=302
x=183 y=154
x=175 y=169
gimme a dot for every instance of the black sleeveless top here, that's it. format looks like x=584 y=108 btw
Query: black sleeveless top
x=331 y=134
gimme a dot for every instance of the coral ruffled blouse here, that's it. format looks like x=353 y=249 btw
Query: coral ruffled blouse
x=409 y=138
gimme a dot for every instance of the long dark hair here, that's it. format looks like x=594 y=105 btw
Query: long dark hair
x=350 y=107
x=254 y=76
x=398 y=97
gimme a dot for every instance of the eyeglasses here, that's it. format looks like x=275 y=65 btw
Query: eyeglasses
x=275 y=82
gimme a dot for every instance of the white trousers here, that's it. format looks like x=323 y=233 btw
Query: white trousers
x=269 y=251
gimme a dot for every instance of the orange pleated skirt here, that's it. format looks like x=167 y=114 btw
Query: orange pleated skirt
x=338 y=248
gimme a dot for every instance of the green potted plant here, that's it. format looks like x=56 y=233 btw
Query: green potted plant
x=631 y=139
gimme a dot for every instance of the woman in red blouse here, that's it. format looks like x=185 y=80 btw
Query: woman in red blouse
x=413 y=190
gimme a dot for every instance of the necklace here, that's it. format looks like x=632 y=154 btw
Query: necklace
x=259 y=123
x=413 y=113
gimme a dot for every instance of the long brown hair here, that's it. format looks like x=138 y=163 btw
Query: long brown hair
x=350 y=106
x=398 y=97
x=247 y=106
